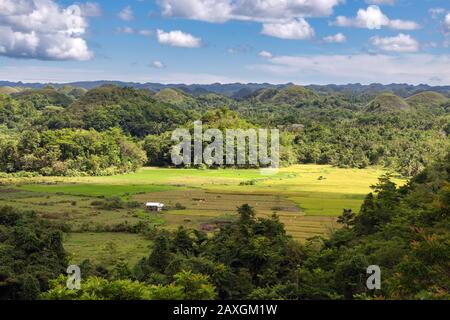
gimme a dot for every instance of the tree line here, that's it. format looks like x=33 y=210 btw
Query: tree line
x=345 y=130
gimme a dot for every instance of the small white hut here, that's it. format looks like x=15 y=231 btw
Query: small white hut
x=154 y=206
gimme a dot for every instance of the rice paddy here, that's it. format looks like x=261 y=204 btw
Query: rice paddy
x=307 y=199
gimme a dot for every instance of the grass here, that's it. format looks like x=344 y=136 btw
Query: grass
x=307 y=198
x=96 y=190
x=104 y=247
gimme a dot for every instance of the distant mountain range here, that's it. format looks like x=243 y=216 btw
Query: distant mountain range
x=239 y=90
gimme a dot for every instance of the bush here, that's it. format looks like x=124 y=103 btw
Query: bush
x=133 y=204
x=113 y=203
x=179 y=206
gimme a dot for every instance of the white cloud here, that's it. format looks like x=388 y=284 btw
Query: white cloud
x=157 y=64
x=296 y=29
x=126 y=14
x=129 y=30
x=41 y=29
x=90 y=9
x=399 y=43
x=264 y=10
x=363 y=68
x=403 y=25
x=204 y=10
x=20 y=7
x=265 y=54
x=381 y=2
x=436 y=12
x=337 y=38
x=446 y=24
x=178 y=38
x=374 y=18
x=255 y=10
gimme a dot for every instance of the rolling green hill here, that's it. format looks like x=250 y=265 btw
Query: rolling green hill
x=387 y=102
x=427 y=100
x=175 y=97
x=41 y=98
x=292 y=95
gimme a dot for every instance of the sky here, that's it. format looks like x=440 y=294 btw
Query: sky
x=209 y=41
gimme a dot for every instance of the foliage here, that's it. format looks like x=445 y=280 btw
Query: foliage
x=69 y=152
x=352 y=129
x=31 y=253
x=187 y=286
x=403 y=230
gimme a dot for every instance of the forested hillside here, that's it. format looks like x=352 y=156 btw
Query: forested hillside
x=40 y=127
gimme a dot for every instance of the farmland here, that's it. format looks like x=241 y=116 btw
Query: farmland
x=307 y=198
x=78 y=165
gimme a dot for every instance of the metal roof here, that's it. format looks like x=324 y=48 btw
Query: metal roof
x=154 y=204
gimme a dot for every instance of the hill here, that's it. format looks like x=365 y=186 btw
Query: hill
x=292 y=95
x=239 y=90
x=400 y=89
x=427 y=100
x=8 y=90
x=175 y=97
x=41 y=98
x=137 y=112
x=387 y=102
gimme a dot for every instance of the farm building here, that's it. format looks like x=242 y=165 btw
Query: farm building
x=154 y=206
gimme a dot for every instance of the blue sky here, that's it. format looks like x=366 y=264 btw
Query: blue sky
x=205 y=41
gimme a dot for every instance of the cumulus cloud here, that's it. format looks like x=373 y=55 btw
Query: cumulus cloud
x=363 y=68
x=41 y=29
x=204 y=10
x=255 y=10
x=296 y=29
x=126 y=14
x=157 y=64
x=337 y=38
x=178 y=38
x=399 y=43
x=374 y=18
x=265 y=54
